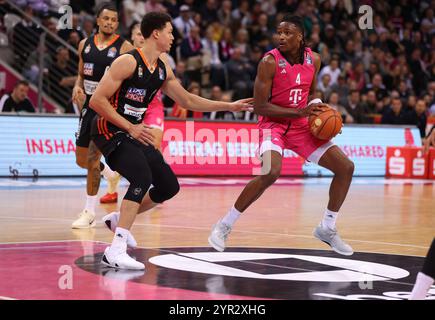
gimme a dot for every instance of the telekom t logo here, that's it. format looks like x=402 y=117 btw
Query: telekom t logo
x=295 y=96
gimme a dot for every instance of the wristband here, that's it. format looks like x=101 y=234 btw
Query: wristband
x=317 y=100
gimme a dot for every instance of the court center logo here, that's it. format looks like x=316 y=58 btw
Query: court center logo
x=342 y=270
x=277 y=273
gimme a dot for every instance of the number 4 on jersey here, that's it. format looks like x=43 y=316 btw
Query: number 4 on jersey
x=298 y=78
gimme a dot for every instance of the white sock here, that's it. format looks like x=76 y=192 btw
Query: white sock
x=91 y=203
x=231 y=217
x=119 y=243
x=421 y=287
x=329 y=218
x=107 y=172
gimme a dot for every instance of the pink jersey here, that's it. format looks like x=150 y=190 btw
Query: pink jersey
x=291 y=85
x=154 y=115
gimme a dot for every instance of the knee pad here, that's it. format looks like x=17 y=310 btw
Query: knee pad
x=159 y=195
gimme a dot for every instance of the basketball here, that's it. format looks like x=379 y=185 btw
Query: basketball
x=326 y=124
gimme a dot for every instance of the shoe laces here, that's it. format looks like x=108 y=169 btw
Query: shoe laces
x=225 y=230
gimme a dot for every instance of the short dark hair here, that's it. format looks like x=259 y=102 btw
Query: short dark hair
x=107 y=6
x=21 y=82
x=153 y=21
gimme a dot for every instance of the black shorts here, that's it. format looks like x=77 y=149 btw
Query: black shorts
x=83 y=134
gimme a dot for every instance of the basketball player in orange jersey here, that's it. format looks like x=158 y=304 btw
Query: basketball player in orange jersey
x=154 y=118
x=286 y=81
x=121 y=100
x=96 y=53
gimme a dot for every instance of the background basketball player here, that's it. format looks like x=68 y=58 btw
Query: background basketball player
x=96 y=53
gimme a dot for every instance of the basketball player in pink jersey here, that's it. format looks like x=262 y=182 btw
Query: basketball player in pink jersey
x=285 y=84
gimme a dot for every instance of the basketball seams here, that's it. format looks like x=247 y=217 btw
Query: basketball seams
x=324 y=123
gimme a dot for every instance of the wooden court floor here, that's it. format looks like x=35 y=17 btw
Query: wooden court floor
x=394 y=219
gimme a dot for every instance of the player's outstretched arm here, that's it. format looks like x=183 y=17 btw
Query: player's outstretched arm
x=190 y=101
x=121 y=69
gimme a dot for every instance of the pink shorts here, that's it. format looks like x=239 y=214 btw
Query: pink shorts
x=295 y=136
x=154 y=116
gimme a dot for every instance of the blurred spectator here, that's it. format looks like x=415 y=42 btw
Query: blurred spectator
x=182 y=113
x=171 y=7
x=240 y=74
x=355 y=107
x=357 y=74
x=410 y=103
x=17 y=101
x=154 y=6
x=242 y=41
x=191 y=52
x=134 y=10
x=418 y=117
x=184 y=21
x=88 y=27
x=417 y=68
x=241 y=15
x=31 y=70
x=377 y=86
x=394 y=114
x=332 y=70
x=342 y=88
x=224 y=14
x=404 y=91
x=25 y=38
x=333 y=101
x=260 y=29
x=180 y=73
x=226 y=48
x=214 y=64
x=331 y=39
x=325 y=84
x=61 y=79
x=208 y=11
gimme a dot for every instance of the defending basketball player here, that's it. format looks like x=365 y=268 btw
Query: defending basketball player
x=154 y=118
x=121 y=100
x=95 y=56
x=286 y=81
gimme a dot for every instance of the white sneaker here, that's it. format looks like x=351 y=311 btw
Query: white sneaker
x=86 y=220
x=331 y=237
x=219 y=235
x=120 y=260
x=111 y=221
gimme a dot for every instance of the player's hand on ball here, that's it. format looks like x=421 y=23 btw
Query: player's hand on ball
x=313 y=109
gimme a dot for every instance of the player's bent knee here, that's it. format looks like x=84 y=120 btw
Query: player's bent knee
x=271 y=176
x=160 y=195
x=82 y=162
x=349 y=167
